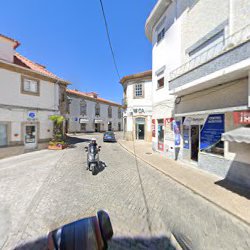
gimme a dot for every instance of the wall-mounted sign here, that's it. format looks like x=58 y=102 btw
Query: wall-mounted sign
x=138 y=110
x=75 y=119
x=83 y=120
x=211 y=131
x=169 y=120
x=31 y=115
x=242 y=117
x=195 y=120
x=98 y=121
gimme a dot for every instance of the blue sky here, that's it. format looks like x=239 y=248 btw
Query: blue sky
x=69 y=37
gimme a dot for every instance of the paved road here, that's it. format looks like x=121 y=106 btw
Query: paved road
x=42 y=190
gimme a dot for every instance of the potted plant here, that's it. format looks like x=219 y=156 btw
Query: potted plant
x=57 y=142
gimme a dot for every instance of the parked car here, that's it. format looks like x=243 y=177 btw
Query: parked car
x=109 y=136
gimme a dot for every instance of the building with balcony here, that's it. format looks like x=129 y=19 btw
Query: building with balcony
x=89 y=113
x=209 y=83
x=29 y=95
x=137 y=102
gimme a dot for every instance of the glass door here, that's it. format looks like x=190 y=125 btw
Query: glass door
x=3 y=135
x=30 y=136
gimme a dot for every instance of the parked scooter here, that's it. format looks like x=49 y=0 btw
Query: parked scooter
x=93 y=156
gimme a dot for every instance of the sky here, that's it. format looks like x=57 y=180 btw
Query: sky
x=69 y=38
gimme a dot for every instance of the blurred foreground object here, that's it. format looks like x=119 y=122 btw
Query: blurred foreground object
x=90 y=233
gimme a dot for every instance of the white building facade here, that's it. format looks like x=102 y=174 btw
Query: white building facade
x=137 y=117
x=90 y=113
x=209 y=82
x=29 y=96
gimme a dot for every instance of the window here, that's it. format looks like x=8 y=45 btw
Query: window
x=83 y=108
x=160 y=83
x=138 y=90
x=217 y=149
x=119 y=113
x=30 y=86
x=97 y=109
x=160 y=35
x=83 y=127
x=110 y=112
x=3 y=135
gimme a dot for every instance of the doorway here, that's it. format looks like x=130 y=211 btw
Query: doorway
x=109 y=126
x=30 y=136
x=194 y=142
x=3 y=135
x=97 y=127
x=160 y=134
x=140 y=128
x=119 y=126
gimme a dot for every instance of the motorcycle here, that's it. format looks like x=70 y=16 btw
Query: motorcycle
x=93 y=158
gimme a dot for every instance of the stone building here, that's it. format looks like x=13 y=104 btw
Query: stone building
x=89 y=113
x=209 y=83
x=137 y=89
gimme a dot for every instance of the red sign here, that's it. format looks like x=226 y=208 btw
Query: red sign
x=168 y=120
x=242 y=117
x=153 y=127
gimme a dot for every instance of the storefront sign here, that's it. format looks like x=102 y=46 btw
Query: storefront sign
x=31 y=115
x=153 y=127
x=139 y=110
x=98 y=121
x=212 y=130
x=186 y=137
x=195 y=120
x=177 y=134
x=83 y=120
x=242 y=117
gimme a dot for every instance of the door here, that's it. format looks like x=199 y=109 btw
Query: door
x=109 y=126
x=161 y=135
x=3 y=135
x=194 y=142
x=140 y=131
x=30 y=138
x=119 y=126
x=97 y=127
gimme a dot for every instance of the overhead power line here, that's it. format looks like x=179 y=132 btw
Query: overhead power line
x=109 y=40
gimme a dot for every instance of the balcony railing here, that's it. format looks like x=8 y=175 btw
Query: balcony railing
x=228 y=43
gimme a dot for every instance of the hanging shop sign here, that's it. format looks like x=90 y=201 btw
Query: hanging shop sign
x=195 y=120
x=242 y=117
x=177 y=134
x=212 y=131
x=153 y=127
x=83 y=120
x=186 y=137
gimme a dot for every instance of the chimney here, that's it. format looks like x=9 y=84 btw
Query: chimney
x=7 y=48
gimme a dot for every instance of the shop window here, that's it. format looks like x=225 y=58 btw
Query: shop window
x=217 y=149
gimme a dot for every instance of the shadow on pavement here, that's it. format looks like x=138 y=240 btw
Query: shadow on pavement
x=233 y=187
x=100 y=168
x=74 y=140
x=119 y=243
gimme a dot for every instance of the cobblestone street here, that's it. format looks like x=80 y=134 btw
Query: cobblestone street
x=43 y=190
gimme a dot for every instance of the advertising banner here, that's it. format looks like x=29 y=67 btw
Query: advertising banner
x=177 y=134
x=186 y=137
x=212 y=130
x=242 y=117
x=153 y=127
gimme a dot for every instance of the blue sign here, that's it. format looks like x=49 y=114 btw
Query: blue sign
x=212 y=130
x=177 y=134
x=31 y=115
x=76 y=119
x=186 y=137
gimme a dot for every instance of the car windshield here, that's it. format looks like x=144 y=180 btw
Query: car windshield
x=110 y=133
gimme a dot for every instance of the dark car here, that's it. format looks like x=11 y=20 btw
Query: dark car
x=109 y=136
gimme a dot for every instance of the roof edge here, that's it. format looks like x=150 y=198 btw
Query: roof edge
x=154 y=16
x=144 y=74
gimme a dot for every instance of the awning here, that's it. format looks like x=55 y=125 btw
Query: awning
x=239 y=135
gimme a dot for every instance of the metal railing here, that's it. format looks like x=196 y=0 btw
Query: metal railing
x=228 y=43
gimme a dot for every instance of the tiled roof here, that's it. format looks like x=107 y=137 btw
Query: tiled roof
x=144 y=74
x=25 y=62
x=11 y=39
x=79 y=93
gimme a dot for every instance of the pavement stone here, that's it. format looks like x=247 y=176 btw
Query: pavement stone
x=53 y=188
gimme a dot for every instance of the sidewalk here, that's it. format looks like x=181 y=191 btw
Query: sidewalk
x=198 y=181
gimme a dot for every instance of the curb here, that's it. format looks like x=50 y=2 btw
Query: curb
x=186 y=186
